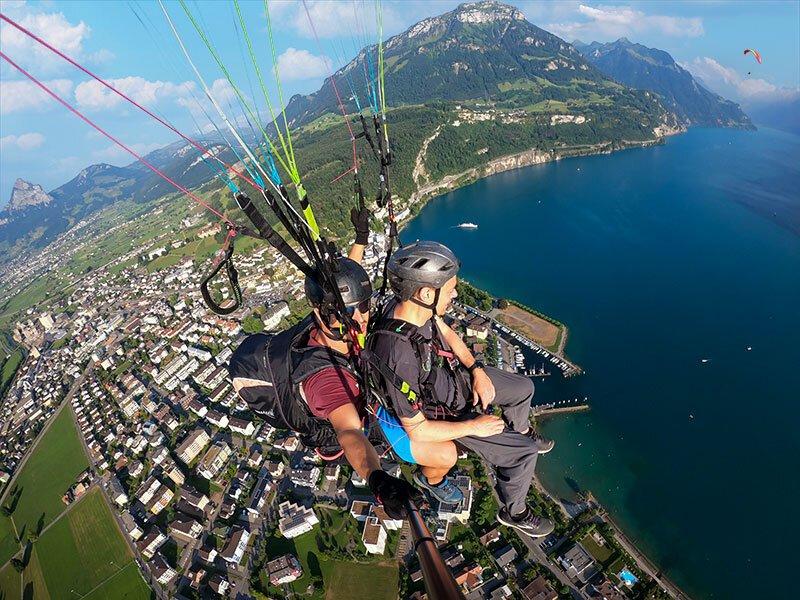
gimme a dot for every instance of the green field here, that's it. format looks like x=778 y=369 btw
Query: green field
x=10 y=582
x=57 y=459
x=8 y=541
x=34 y=579
x=10 y=366
x=84 y=551
x=355 y=580
x=602 y=554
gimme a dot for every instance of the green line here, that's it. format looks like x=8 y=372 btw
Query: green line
x=289 y=156
x=381 y=74
x=277 y=77
x=295 y=178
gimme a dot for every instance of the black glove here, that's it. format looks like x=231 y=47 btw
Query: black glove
x=360 y=221
x=393 y=493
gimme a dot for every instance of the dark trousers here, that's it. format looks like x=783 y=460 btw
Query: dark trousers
x=512 y=454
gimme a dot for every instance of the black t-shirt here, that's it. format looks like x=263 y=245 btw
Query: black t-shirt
x=400 y=356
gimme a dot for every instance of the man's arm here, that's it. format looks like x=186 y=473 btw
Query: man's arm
x=356 y=252
x=482 y=387
x=357 y=449
x=455 y=342
x=420 y=429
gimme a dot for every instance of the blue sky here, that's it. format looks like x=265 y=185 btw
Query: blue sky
x=43 y=143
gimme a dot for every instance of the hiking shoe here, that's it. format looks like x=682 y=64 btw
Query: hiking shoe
x=445 y=491
x=527 y=523
x=543 y=444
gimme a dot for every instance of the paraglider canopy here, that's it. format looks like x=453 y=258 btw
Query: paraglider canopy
x=755 y=53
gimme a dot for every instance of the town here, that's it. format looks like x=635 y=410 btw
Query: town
x=214 y=501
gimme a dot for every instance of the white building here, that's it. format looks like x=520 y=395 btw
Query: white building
x=295 y=519
x=374 y=536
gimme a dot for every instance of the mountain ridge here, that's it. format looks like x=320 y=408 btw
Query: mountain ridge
x=655 y=70
x=511 y=86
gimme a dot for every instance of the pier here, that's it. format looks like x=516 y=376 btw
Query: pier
x=547 y=410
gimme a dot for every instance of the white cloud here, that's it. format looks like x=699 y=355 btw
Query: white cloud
x=16 y=96
x=55 y=29
x=337 y=19
x=222 y=92
x=92 y=94
x=728 y=81
x=610 y=22
x=301 y=64
x=115 y=155
x=26 y=141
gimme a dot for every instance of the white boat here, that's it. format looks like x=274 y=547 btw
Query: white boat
x=467 y=226
x=705 y=360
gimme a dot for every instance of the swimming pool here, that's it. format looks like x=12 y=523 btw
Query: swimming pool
x=627 y=578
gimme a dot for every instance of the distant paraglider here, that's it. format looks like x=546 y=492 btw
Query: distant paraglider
x=755 y=53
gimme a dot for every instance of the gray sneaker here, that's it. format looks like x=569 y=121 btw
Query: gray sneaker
x=544 y=445
x=445 y=491
x=529 y=524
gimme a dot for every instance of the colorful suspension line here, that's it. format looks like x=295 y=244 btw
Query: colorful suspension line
x=291 y=169
x=124 y=96
x=311 y=225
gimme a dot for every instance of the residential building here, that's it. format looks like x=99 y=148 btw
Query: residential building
x=361 y=510
x=294 y=519
x=505 y=556
x=185 y=529
x=219 y=585
x=150 y=543
x=284 y=569
x=161 y=570
x=242 y=426
x=214 y=460
x=578 y=563
x=388 y=522
x=233 y=552
x=305 y=477
x=192 y=445
x=116 y=492
x=374 y=536
x=539 y=589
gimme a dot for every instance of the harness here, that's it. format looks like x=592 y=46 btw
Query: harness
x=434 y=359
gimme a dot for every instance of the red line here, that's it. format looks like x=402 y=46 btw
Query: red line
x=122 y=95
x=338 y=177
x=113 y=139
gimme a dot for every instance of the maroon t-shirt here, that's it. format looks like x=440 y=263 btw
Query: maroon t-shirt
x=330 y=388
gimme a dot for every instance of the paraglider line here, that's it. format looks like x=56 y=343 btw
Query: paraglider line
x=89 y=122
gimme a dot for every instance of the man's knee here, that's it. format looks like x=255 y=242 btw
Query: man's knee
x=515 y=388
x=435 y=454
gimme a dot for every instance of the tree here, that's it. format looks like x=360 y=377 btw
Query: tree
x=252 y=324
x=18 y=565
x=502 y=303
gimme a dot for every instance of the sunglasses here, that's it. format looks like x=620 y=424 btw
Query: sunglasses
x=362 y=307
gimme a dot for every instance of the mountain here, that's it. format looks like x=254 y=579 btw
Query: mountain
x=478 y=51
x=780 y=113
x=651 y=69
x=26 y=194
x=474 y=85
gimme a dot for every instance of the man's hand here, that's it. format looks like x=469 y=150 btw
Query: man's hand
x=487 y=426
x=482 y=389
x=393 y=493
x=360 y=221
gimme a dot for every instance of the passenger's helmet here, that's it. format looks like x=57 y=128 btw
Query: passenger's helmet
x=418 y=265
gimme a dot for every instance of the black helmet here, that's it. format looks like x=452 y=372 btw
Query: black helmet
x=351 y=279
x=421 y=264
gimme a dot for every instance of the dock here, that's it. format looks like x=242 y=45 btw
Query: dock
x=567 y=367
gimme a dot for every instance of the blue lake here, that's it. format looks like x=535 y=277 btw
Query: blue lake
x=657 y=259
